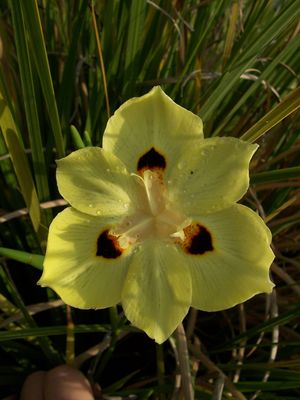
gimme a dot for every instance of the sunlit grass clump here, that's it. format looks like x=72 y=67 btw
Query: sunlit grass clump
x=138 y=220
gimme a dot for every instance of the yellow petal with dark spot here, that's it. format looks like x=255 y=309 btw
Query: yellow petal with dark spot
x=72 y=267
x=151 y=121
x=237 y=268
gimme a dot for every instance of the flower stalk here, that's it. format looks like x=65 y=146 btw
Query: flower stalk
x=184 y=364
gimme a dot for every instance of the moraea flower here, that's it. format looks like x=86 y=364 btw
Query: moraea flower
x=154 y=222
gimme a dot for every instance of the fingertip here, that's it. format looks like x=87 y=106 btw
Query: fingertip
x=33 y=387
x=67 y=383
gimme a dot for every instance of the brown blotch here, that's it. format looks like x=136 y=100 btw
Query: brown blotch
x=108 y=246
x=198 y=240
x=151 y=160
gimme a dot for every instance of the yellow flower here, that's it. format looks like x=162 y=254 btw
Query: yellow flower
x=153 y=221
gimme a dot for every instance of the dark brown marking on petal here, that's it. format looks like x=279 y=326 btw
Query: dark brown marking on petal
x=108 y=246
x=198 y=239
x=151 y=160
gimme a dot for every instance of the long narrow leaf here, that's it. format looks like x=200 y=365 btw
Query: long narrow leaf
x=20 y=163
x=134 y=40
x=232 y=76
x=35 y=260
x=51 y=330
x=290 y=104
x=34 y=28
x=39 y=167
x=276 y=175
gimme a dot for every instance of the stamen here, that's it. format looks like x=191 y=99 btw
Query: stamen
x=132 y=229
x=178 y=234
x=139 y=178
x=153 y=217
x=155 y=191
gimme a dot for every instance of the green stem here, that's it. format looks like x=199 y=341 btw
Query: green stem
x=184 y=363
x=160 y=369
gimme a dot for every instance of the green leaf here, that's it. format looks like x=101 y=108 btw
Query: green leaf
x=134 y=42
x=20 y=164
x=31 y=109
x=35 y=260
x=50 y=331
x=121 y=382
x=76 y=138
x=288 y=105
x=267 y=386
x=246 y=58
x=36 y=38
x=233 y=17
x=256 y=86
x=44 y=342
x=267 y=326
x=205 y=21
x=67 y=86
x=276 y=175
x=87 y=139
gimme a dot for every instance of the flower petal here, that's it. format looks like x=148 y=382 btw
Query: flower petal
x=95 y=182
x=210 y=176
x=236 y=265
x=157 y=292
x=73 y=269
x=152 y=121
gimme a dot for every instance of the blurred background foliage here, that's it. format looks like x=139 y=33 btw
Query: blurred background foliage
x=65 y=66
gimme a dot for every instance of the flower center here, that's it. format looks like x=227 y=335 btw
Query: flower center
x=153 y=217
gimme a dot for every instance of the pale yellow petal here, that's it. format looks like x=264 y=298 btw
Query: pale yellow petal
x=95 y=182
x=210 y=176
x=157 y=292
x=237 y=266
x=72 y=268
x=152 y=121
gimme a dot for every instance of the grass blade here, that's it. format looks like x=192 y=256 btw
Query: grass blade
x=245 y=60
x=290 y=104
x=31 y=110
x=51 y=330
x=20 y=164
x=276 y=175
x=35 y=260
x=35 y=33
x=134 y=43
x=233 y=17
x=76 y=138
